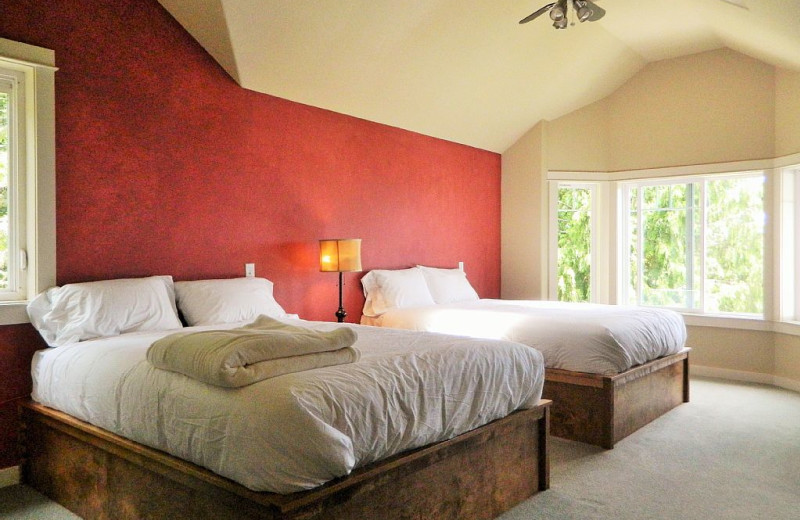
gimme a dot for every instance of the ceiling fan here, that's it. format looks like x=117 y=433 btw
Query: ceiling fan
x=585 y=11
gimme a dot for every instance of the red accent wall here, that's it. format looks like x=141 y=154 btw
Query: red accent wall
x=166 y=166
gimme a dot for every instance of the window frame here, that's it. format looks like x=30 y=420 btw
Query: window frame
x=788 y=213
x=34 y=68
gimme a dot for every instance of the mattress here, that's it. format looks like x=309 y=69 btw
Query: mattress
x=295 y=431
x=581 y=337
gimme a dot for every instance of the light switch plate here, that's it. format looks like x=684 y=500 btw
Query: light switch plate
x=250 y=270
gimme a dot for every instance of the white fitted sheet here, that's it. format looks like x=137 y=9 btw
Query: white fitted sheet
x=295 y=431
x=582 y=337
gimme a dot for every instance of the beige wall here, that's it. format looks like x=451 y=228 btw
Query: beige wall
x=716 y=106
x=787 y=112
x=740 y=350
x=787 y=357
x=523 y=218
x=579 y=141
x=713 y=107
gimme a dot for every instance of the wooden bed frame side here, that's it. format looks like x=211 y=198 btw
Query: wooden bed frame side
x=100 y=475
x=602 y=410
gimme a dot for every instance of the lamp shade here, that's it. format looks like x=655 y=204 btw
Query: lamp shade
x=340 y=255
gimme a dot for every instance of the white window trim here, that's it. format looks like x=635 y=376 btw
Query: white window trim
x=787 y=250
x=37 y=65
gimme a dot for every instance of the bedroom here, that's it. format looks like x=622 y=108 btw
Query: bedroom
x=138 y=123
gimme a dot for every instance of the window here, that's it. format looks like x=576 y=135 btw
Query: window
x=694 y=244
x=575 y=241
x=27 y=176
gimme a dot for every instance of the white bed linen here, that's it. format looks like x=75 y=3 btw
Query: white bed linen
x=300 y=430
x=582 y=337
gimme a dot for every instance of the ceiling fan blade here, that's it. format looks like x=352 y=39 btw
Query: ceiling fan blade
x=537 y=13
x=597 y=12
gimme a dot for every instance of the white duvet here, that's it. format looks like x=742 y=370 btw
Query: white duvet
x=295 y=431
x=582 y=337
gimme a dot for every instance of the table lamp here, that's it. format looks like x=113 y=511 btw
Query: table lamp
x=340 y=255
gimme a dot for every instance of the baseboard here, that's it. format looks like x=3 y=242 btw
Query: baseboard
x=748 y=377
x=789 y=384
x=734 y=375
x=9 y=476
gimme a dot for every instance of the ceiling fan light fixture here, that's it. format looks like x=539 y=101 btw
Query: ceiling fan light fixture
x=582 y=10
x=585 y=11
x=559 y=11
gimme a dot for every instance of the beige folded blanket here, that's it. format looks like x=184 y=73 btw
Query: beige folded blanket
x=239 y=357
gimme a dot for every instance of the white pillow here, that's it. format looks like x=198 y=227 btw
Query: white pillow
x=81 y=311
x=448 y=285
x=385 y=290
x=209 y=302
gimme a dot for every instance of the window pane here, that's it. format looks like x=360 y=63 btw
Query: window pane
x=574 y=244
x=735 y=245
x=668 y=256
x=5 y=165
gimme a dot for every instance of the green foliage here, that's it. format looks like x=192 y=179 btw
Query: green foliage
x=665 y=277
x=735 y=246
x=574 y=244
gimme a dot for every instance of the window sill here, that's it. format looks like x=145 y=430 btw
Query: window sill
x=791 y=328
x=13 y=313
x=742 y=323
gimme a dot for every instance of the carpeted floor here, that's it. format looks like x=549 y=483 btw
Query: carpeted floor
x=732 y=453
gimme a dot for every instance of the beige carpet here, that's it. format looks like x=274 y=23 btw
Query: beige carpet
x=732 y=453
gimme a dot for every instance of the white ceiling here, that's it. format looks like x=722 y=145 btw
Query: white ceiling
x=465 y=70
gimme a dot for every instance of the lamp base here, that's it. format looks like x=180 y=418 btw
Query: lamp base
x=340 y=314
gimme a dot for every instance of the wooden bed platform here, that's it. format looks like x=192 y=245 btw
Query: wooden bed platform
x=100 y=475
x=602 y=410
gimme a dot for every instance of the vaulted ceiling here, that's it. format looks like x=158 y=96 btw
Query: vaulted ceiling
x=465 y=70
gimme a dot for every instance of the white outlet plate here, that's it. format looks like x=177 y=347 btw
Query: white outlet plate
x=461 y=266
x=250 y=270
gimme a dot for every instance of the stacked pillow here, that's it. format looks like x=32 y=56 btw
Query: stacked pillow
x=209 y=302
x=82 y=311
x=415 y=287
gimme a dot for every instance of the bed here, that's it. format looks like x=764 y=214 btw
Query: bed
x=417 y=425
x=609 y=369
